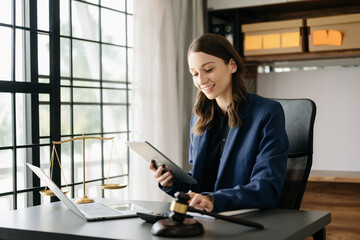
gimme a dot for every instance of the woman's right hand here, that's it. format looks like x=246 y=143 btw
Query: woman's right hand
x=163 y=177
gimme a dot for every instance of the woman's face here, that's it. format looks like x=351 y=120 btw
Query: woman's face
x=212 y=75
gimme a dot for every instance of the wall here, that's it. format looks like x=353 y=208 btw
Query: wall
x=336 y=92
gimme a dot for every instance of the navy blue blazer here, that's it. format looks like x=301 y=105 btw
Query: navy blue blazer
x=253 y=164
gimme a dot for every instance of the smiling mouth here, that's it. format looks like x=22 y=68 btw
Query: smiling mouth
x=209 y=88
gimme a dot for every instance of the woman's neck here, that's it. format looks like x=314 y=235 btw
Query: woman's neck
x=224 y=100
x=223 y=104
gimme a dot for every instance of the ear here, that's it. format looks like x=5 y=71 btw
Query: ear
x=232 y=65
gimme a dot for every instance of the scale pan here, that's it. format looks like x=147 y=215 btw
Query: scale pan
x=113 y=186
x=50 y=193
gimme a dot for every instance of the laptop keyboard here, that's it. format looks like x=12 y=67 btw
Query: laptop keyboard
x=97 y=210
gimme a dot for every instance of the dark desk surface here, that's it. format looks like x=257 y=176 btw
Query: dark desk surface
x=55 y=221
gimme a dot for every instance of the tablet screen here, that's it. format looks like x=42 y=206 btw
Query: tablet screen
x=149 y=152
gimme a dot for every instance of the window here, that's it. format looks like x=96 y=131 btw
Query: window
x=65 y=72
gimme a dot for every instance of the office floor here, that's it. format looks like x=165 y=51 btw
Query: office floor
x=342 y=200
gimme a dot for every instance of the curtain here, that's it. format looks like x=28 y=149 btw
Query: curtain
x=162 y=91
x=189 y=24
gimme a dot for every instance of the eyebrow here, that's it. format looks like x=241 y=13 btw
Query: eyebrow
x=203 y=65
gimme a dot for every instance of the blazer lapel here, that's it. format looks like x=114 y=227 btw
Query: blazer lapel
x=200 y=156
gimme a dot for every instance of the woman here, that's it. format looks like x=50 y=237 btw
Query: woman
x=238 y=145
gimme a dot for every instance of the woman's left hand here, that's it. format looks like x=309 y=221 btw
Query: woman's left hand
x=201 y=202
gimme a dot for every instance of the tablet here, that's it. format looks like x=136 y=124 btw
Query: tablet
x=149 y=152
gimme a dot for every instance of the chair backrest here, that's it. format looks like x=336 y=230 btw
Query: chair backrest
x=299 y=121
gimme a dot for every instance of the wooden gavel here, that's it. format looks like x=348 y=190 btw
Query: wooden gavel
x=180 y=206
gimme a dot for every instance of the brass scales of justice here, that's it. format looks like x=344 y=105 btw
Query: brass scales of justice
x=84 y=198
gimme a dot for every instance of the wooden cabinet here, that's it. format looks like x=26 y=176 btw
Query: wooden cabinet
x=228 y=22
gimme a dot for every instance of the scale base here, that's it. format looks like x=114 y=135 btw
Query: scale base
x=85 y=199
x=50 y=193
x=170 y=228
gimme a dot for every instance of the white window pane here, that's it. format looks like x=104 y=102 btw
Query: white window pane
x=5 y=11
x=115 y=118
x=20 y=15
x=114 y=63
x=65 y=161
x=130 y=65
x=6 y=180
x=114 y=96
x=92 y=1
x=44 y=58
x=44 y=118
x=115 y=4
x=130 y=6
x=65 y=120
x=92 y=159
x=43 y=15
x=5 y=56
x=65 y=57
x=20 y=56
x=86 y=95
x=44 y=80
x=21 y=155
x=85 y=21
x=86 y=83
x=86 y=119
x=44 y=97
x=86 y=60
x=6 y=203
x=130 y=33
x=5 y=120
x=64 y=18
x=65 y=94
x=45 y=161
x=21 y=118
x=22 y=200
x=93 y=190
x=118 y=161
x=113 y=27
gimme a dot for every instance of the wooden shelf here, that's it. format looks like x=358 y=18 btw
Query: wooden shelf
x=302 y=56
x=334 y=176
x=288 y=10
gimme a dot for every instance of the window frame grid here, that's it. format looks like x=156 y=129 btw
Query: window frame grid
x=101 y=81
x=32 y=87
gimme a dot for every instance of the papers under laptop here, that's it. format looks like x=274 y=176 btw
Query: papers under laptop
x=90 y=211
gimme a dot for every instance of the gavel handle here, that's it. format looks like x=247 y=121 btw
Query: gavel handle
x=228 y=218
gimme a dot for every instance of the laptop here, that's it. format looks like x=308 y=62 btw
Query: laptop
x=90 y=211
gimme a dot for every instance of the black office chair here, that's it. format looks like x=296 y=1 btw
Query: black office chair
x=299 y=121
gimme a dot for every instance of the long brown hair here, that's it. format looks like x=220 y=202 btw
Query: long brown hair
x=218 y=46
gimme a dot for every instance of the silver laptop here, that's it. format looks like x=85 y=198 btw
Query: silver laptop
x=90 y=211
